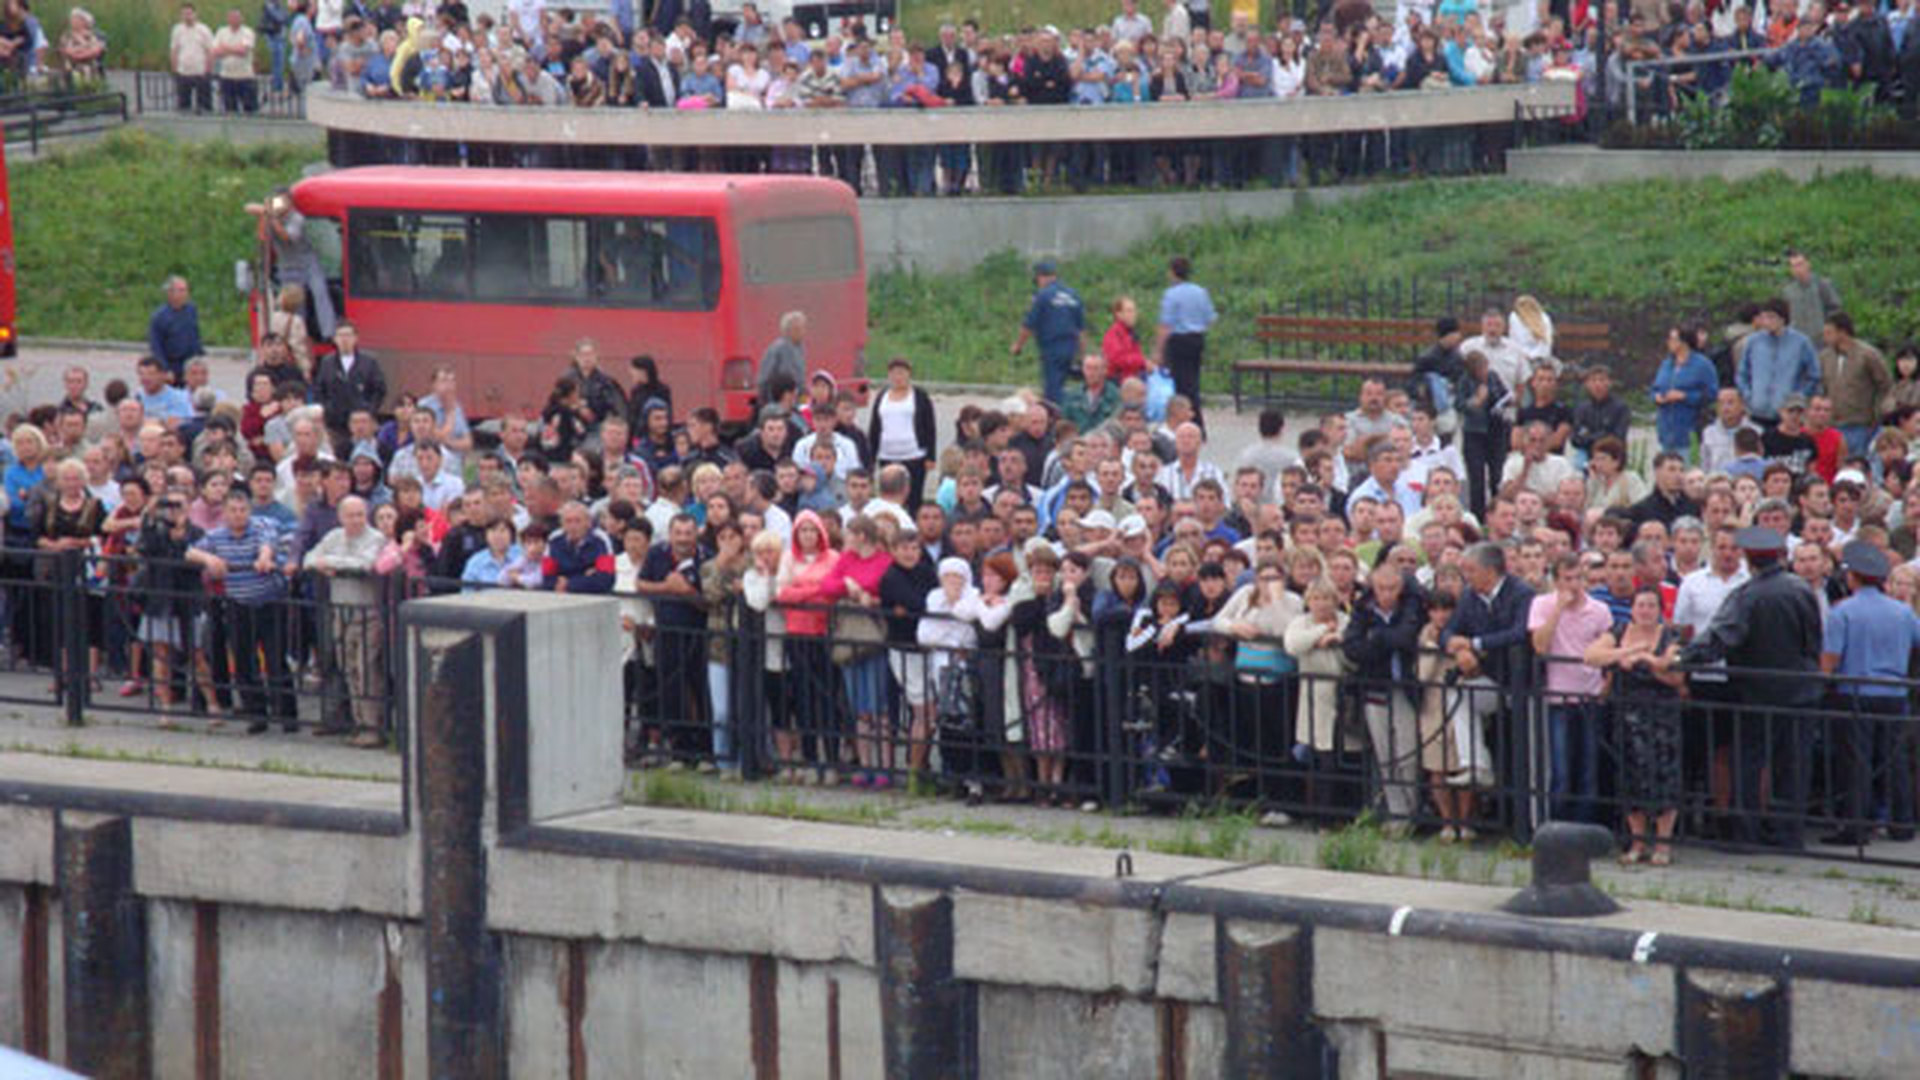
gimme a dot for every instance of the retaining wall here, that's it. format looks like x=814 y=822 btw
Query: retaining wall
x=500 y=914
x=1576 y=165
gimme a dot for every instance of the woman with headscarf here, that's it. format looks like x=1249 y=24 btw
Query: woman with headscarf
x=950 y=634
x=810 y=560
x=1070 y=619
x=1047 y=671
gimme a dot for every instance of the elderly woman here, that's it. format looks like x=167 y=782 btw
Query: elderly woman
x=1314 y=641
x=950 y=633
x=69 y=522
x=82 y=49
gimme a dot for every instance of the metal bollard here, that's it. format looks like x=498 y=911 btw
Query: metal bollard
x=1265 y=975
x=1562 y=877
x=927 y=1017
x=104 y=942
x=1733 y=1026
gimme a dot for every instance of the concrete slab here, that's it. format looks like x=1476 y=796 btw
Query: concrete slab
x=323 y=871
x=1186 y=967
x=643 y=1002
x=299 y=988
x=221 y=785
x=537 y=1041
x=171 y=945
x=1053 y=943
x=27 y=855
x=1066 y=1036
x=688 y=907
x=1868 y=1032
x=805 y=994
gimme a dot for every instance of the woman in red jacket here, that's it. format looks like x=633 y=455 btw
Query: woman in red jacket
x=1121 y=346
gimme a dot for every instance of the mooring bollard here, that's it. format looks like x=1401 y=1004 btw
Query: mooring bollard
x=1563 y=885
x=1733 y=1026
x=103 y=934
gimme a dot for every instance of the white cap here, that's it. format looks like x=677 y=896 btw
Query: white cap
x=1133 y=525
x=1097 y=519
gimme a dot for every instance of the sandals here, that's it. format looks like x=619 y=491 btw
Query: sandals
x=1633 y=855
x=1662 y=856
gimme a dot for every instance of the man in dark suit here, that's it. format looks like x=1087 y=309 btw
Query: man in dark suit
x=1488 y=641
x=348 y=380
x=658 y=88
x=950 y=51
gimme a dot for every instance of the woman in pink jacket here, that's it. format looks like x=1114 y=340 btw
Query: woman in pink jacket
x=860 y=645
x=804 y=574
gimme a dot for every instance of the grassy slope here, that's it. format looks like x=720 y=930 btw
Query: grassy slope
x=96 y=230
x=1630 y=249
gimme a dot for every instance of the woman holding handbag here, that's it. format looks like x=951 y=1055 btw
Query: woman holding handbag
x=1256 y=618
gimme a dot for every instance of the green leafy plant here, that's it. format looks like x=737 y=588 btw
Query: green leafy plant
x=1759 y=101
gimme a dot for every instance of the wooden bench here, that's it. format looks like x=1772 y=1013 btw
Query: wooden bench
x=1373 y=340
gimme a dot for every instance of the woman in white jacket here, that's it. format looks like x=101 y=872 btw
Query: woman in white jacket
x=950 y=634
x=1313 y=640
x=758 y=587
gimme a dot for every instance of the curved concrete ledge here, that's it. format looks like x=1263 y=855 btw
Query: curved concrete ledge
x=904 y=127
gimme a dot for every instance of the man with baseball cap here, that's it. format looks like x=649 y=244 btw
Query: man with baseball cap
x=1771 y=623
x=1058 y=321
x=1870 y=636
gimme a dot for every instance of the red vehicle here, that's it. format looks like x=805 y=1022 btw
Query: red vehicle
x=500 y=272
x=9 y=337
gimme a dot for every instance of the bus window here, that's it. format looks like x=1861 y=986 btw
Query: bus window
x=410 y=256
x=783 y=251
x=656 y=263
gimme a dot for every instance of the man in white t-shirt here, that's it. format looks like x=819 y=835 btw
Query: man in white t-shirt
x=233 y=63
x=1504 y=358
x=190 y=57
x=1532 y=466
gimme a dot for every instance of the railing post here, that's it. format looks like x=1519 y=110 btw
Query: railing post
x=70 y=621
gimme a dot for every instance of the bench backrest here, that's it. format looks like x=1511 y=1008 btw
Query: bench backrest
x=1572 y=341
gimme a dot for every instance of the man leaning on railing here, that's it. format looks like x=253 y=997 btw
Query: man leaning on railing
x=354 y=598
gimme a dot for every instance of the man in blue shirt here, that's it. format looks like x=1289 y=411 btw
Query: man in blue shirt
x=1058 y=321
x=245 y=559
x=1186 y=313
x=1871 y=635
x=162 y=401
x=1778 y=361
x=173 y=334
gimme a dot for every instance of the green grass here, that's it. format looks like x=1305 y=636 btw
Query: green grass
x=97 y=229
x=77 y=750
x=1643 y=254
x=1356 y=848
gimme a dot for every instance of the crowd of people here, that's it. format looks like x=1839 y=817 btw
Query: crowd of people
x=678 y=56
x=1371 y=615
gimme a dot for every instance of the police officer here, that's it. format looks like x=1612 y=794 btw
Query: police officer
x=1058 y=321
x=1870 y=636
x=1773 y=623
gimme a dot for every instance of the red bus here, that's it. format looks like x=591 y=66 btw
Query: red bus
x=9 y=336
x=499 y=272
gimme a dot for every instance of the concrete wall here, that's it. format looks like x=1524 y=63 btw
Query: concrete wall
x=938 y=236
x=687 y=967
x=1576 y=165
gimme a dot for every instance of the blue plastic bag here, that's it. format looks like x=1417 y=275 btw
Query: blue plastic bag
x=1159 y=392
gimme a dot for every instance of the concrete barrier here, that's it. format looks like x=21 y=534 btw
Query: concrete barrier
x=939 y=236
x=1583 y=165
x=931 y=127
x=619 y=940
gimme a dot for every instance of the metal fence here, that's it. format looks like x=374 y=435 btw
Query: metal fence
x=117 y=635
x=1023 y=718
x=1097 y=718
x=164 y=93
